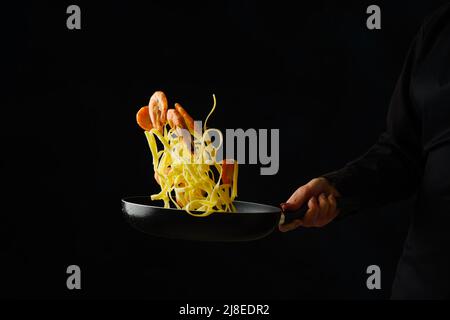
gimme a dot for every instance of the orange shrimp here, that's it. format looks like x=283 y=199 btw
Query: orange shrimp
x=187 y=118
x=158 y=110
x=176 y=122
x=143 y=119
x=175 y=119
x=227 y=171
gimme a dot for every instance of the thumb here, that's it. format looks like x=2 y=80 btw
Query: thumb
x=287 y=206
x=298 y=198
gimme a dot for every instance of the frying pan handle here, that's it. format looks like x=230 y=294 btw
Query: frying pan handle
x=343 y=204
x=290 y=216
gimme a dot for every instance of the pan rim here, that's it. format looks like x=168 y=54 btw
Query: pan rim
x=267 y=207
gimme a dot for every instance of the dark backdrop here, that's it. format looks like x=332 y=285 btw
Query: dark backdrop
x=70 y=148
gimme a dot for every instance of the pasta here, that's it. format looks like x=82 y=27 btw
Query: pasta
x=185 y=166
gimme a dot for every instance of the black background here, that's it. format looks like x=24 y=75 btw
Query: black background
x=71 y=148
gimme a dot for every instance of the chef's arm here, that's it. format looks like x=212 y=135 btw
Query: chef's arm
x=387 y=172
x=390 y=170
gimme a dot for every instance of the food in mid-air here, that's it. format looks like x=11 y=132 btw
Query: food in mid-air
x=184 y=160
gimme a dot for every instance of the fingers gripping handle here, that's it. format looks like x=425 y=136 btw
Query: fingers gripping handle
x=290 y=216
x=342 y=205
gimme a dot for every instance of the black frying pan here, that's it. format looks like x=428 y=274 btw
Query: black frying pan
x=251 y=221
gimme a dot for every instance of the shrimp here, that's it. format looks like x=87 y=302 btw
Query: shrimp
x=175 y=119
x=227 y=171
x=143 y=119
x=182 y=122
x=158 y=110
x=186 y=117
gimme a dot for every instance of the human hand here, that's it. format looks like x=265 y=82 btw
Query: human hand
x=322 y=208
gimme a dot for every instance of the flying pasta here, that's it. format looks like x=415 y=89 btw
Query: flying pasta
x=184 y=160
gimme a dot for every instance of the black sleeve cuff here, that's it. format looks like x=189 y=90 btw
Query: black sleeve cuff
x=348 y=203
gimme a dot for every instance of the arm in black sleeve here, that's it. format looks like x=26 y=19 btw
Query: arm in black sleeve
x=391 y=169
